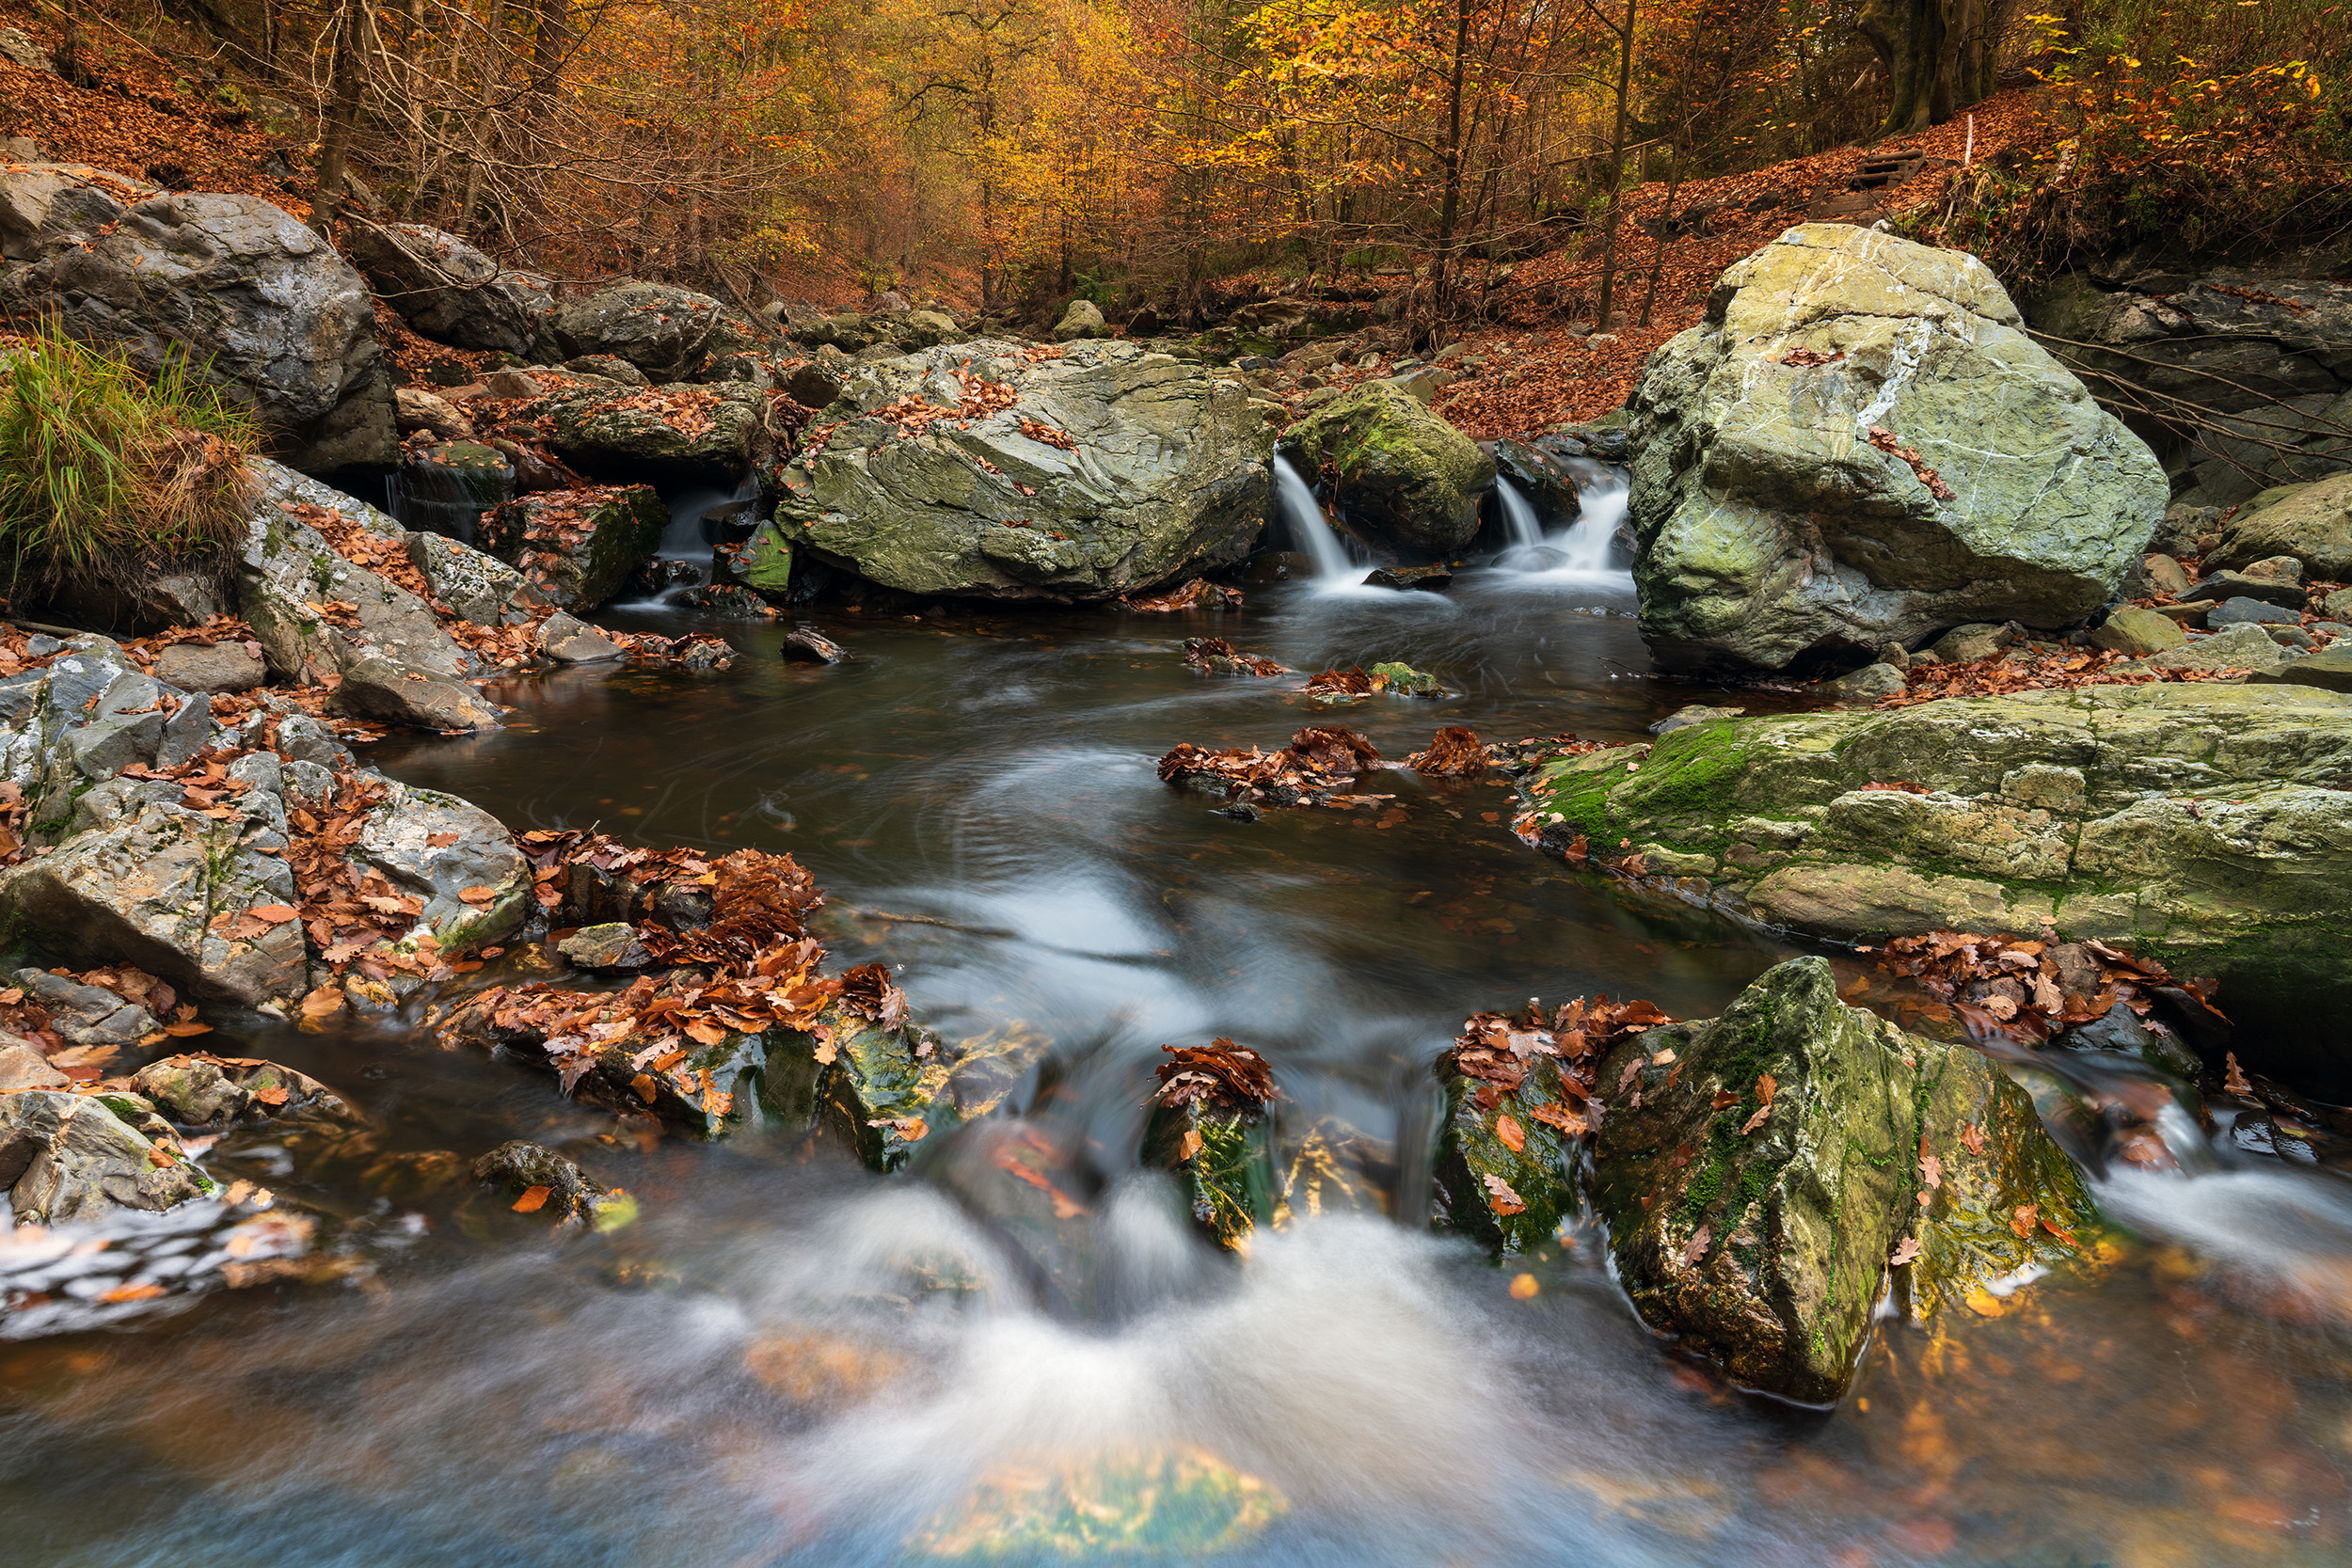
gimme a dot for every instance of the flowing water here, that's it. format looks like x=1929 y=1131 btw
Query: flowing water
x=787 y=1360
x=1337 y=568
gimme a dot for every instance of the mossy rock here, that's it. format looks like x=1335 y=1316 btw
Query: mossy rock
x=1229 y=1178
x=1407 y=482
x=1539 y=1173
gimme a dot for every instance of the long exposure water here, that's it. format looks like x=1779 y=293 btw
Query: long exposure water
x=788 y=1360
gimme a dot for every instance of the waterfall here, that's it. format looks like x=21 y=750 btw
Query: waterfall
x=1517 y=516
x=697 y=523
x=1309 y=530
x=446 y=489
x=1601 y=508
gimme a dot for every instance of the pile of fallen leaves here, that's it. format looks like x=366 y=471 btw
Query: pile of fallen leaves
x=749 y=968
x=1037 y=430
x=2028 y=989
x=1453 y=753
x=684 y=409
x=2015 y=669
x=1200 y=593
x=701 y=650
x=1219 y=1076
x=1499 y=1053
x=1344 y=685
x=1314 y=770
x=1213 y=656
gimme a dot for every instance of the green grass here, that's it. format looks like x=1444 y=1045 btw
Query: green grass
x=110 y=475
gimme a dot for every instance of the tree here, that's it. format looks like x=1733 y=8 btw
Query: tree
x=1941 y=55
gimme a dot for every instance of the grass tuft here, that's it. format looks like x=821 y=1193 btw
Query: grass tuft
x=109 y=476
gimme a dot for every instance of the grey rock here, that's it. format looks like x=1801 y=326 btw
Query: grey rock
x=1969 y=643
x=260 y=305
x=398 y=695
x=68 y=1157
x=580 y=545
x=2329 y=670
x=2246 y=611
x=201 y=1090
x=614 y=945
x=2138 y=632
x=667 y=332
x=22 y=1066
x=2241 y=648
x=1080 y=319
x=1868 y=684
x=1772 y=527
x=398 y=840
x=472 y=584
x=414 y=410
x=2311 y=524
x=450 y=291
x=568 y=641
x=2293 y=638
x=690 y=433
x=1697 y=713
x=210 y=667
x=1167 y=473
x=87 y=1015
x=2166 y=575
x=606 y=367
x=812 y=386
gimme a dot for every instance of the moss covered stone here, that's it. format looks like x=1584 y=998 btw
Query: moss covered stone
x=1407 y=482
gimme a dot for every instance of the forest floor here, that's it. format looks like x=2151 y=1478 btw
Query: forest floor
x=1539 y=366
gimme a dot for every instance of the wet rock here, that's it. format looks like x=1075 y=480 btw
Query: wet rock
x=264 y=307
x=518 y=1168
x=577 y=547
x=763 y=564
x=1772 y=525
x=218 y=1092
x=451 y=291
x=1173 y=1503
x=210 y=667
x=1133 y=470
x=1509 y=1199
x=414 y=410
x=1432 y=579
x=87 y=1015
x=1404 y=480
x=612 y=945
x=2203 y=824
x=1405 y=681
x=689 y=434
x=445 y=489
x=670 y=333
x=164 y=886
x=287 y=570
x=1223 y=1161
x=473 y=585
x=1696 y=713
x=67 y=1157
x=2138 y=632
x=454 y=855
x=568 y=641
x=2243 y=613
x=2121 y=1030
x=379 y=688
x=1755 y=1222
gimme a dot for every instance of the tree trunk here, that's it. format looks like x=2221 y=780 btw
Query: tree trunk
x=1665 y=232
x=1450 y=210
x=1616 y=165
x=342 y=110
x=1941 y=55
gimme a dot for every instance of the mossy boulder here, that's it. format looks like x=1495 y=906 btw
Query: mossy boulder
x=1495 y=1137
x=688 y=435
x=1111 y=469
x=1759 y=1170
x=2311 y=522
x=577 y=547
x=763 y=564
x=1405 y=482
x=2207 y=825
x=1223 y=1161
x=1860 y=444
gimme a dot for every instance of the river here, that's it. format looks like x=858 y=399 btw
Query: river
x=788 y=1360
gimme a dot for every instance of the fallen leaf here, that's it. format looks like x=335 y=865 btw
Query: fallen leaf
x=478 y=894
x=2059 y=1230
x=1513 y=1137
x=1523 y=1288
x=1972 y=1136
x=710 y=1034
x=532 y=1200
x=326 y=999
x=645 y=1086
x=131 y=1293
x=276 y=914
x=183 y=1029
x=1502 y=1198
x=439 y=841
x=2234 y=1080
x=1663 y=1057
x=2022 y=1219
x=1932 y=1170
x=1906 y=1251
x=1695 y=1248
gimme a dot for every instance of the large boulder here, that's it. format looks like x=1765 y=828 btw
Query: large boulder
x=451 y=291
x=1019 y=476
x=317 y=613
x=692 y=434
x=260 y=305
x=672 y=334
x=1759 y=1170
x=1082 y=319
x=1406 y=482
x=577 y=547
x=2207 y=825
x=1860 y=444
x=2311 y=522
x=83 y=717
x=2251 y=364
x=69 y=1157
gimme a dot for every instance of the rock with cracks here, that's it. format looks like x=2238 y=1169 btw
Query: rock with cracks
x=1860 y=445
x=1079 y=477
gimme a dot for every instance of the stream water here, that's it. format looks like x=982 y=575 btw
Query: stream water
x=787 y=1360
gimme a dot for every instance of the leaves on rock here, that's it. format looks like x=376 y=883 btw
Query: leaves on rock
x=1314 y=770
x=1453 y=753
x=1215 y=655
x=2025 y=990
x=1219 y=1076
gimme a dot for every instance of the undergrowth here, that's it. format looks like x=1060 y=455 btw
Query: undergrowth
x=2210 y=130
x=108 y=475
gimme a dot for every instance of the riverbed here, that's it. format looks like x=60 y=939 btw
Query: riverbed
x=785 y=1360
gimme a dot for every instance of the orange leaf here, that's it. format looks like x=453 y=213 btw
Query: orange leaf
x=707 y=1034
x=1907 y=1252
x=132 y=1292
x=1192 y=1145
x=643 y=1085
x=277 y=914
x=478 y=894
x=2022 y=1221
x=532 y=1200
x=1973 y=1136
x=1502 y=1198
x=327 y=999
x=1513 y=1138
x=186 y=1029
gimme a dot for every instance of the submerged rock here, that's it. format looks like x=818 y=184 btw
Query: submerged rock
x=69 y=1157
x=1079 y=477
x=518 y=1168
x=1759 y=1170
x=1860 y=444
x=1404 y=480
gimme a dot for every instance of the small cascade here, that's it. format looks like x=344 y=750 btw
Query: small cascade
x=1309 y=530
x=445 y=489
x=687 y=559
x=1585 y=546
x=1519 y=516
